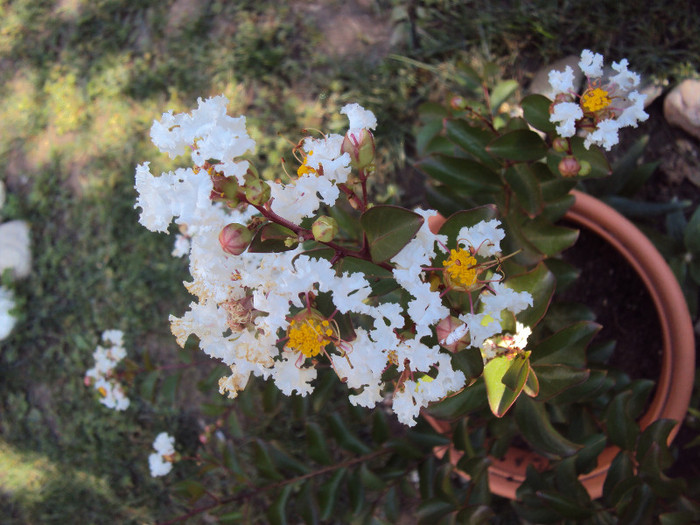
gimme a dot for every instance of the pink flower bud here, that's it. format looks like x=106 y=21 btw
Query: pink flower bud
x=445 y=328
x=569 y=166
x=235 y=238
x=560 y=144
x=360 y=147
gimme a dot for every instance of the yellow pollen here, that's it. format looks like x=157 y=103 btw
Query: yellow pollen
x=102 y=391
x=462 y=267
x=305 y=168
x=595 y=99
x=308 y=337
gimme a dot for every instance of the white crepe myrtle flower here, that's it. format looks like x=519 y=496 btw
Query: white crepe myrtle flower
x=160 y=462
x=360 y=118
x=607 y=104
x=484 y=237
x=7 y=304
x=103 y=377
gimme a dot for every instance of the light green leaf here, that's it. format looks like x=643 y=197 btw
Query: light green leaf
x=505 y=378
x=501 y=92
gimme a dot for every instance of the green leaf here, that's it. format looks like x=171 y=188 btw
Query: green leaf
x=344 y=437
x=640 y=508
x=505 y=378
x=190 y=489
x=389 y=229
x=540 y=283
x=168 y=388
x=536 y=112
x=317 y=444
x=621 y=427
x=263 y=461
x=277 y=514
x=566 y=347
x=469 y=361
x=549 y=238
x=431 y=511
x=554 y=379
x=460 y=173
x=285 y=462
x=328 y=493
x=657 y=432
x=637 y=209
x=567 y=507
x=501 y=92
x=356 y=492
x=471 y=139
x=468 y=400
x=537 y=429
x=307 y=505
x=271 y=237
x=526 y=188
x=691 y=236
x=519 y=145
x=380 y=427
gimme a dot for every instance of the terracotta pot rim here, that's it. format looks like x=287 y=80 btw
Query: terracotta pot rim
x=675 y=384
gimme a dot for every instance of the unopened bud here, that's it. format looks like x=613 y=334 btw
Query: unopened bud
x=458 y=102
x=585 y=168
x=235 y=238
x=560 y=144
x=256 y=190
x=325 y=229
x=569 y=166
x=452 y=335
x=360 y=147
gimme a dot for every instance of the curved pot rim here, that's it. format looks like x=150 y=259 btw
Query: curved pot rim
x=675 y=384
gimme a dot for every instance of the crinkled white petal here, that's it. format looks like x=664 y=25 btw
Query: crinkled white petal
x=626 y=80
x=504 y=299
x=566 y=114
x=605 y=134
x=591 y=63
x=485 y=237
x=7 y=320
x=562 y=81
x=360 y=118
x=288 y=377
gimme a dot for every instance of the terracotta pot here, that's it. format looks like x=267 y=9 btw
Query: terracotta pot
x=675 y=384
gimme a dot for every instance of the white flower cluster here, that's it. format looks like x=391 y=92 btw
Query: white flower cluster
x=161 y=461
x=253 y=310
x=610 y=102
x=101 y=376
x=7 y=320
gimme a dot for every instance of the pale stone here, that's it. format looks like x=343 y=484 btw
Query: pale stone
x=682 y=107
x=540 y=82
x=15 y=248
x=2 y=194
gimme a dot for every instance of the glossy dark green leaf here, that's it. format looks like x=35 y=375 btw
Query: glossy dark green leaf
x=555 y=379
x=431 y=511
x=621 y=427
x=469 y=362
x=540 y=284
x=537 y=429
x=460 y=173
x=190 y=489
x=657 y=432
x=468 y=400
x=549 y=238
x=380 y=427
x=587 y=457
x=519 y=145
x=446 y=200
x=640 y=508
x=391 y=504
x=306 y=503
x=356 y=492
x=651 y=471
x=471 y=139
x=317 y=444
x=475 y=515
x=566 y=347
x=464 y=219
x=429 y=131
x=271 y=237
x=640 y=209
x=536 y=112
x=389 y=229
x=680 y=517
x=285 y=462
x=328 y=493
x=526 y=188
x=564 y=505
x=369 y=479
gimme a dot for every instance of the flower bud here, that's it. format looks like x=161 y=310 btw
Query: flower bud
x=324 y=229
x=360 y=147
x=569 y=166
x=560 y=144
x=446 y=328
x=256 y=190
x=235 y=238
x=585 y=167
x=458 y=102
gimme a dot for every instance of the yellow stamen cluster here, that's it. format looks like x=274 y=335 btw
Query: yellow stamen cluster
x=595 y=99
x=309 y=336
x=461 y=267
x=305 y=168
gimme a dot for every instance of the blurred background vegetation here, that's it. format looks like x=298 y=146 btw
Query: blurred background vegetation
x=80 y=84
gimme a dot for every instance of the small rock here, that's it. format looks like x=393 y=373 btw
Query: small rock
x=2 y=194
x=15 y=248
x=540 y=82
x=682 y=107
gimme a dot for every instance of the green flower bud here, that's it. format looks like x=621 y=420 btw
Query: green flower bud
x=235 y=238
x=585 y=168
x=256 y=191
x=560 y=144
x=324 y=229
